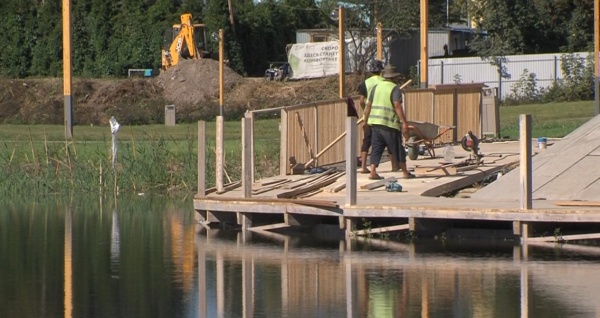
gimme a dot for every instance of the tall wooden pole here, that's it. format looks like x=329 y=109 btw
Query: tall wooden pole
x=379 y=41
x=424 y=38
x=220 y=166
x=68 y=99
x=342 y=51
x=221 y=58
x=596 y=58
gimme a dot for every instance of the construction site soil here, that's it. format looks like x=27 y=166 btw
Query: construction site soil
x=192 y=86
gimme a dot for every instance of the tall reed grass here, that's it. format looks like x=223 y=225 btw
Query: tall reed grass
x=144 y=164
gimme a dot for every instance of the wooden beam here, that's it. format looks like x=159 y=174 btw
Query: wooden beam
x=201 y=159
x=246 y=158
x=377 y=184
x=284 y=166
x=351 y=150
x=461 y=182
x=314 y=186
x=220 y=155
x=309 y=202
x=268 y=227
x=560 y=238
x=577 y=203
x=401 y=227
x=229 y=187
x=435 y=171
x=424 y=69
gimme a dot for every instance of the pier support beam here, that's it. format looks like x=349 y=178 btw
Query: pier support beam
x=283 y=159
x=351 y=161
x=244 y=220
x=525 y=164
x=521 y=230
x=220 y=155
x=247 y=155
x=201 y=159
x=350 y=226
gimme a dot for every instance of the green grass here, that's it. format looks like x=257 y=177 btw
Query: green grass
x=150 y=158
x=548 y=120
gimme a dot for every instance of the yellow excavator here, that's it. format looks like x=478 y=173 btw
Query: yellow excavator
x=184 y=41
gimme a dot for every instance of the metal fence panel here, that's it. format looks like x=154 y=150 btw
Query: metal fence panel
x=546 y=67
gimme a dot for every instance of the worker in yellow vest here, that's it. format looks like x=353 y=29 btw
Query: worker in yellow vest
x=363 y=90
x=385 y=114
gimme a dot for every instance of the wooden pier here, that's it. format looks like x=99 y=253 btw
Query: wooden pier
x=339 y=195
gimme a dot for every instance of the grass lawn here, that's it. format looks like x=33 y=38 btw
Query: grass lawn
x=549 y=120
x=98 y=139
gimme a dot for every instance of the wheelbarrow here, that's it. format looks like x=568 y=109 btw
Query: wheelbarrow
x=424 y=133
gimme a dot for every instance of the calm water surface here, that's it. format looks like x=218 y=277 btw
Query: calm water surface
x=146 y=257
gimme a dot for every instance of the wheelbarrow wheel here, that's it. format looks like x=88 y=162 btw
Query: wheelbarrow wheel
x=413 y=148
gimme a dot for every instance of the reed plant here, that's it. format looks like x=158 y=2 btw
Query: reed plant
x=145 y=163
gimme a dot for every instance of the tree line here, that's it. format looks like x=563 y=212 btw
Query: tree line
x=109 y=37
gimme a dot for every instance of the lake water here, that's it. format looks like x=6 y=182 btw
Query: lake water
x=146 y=257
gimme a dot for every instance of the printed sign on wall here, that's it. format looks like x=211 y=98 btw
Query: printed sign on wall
x=311 y=60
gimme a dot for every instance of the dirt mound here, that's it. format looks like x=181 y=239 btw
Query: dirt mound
x=192 y=85
x=196 y=81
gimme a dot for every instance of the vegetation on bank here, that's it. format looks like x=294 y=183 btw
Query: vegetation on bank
x=156 y=158
x=151 y=158
x=110 y=37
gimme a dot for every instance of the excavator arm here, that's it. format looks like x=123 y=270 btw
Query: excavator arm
x=185 y=44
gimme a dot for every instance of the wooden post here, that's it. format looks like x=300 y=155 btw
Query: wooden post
x=220 y=154
x=246 y=158
x=250 y=116
x=342 y=51
x=351 y=161
x=525 y=163
x=201 y=159
x=379 y=41
x=424 y=45
x=67 y=72
x=283 y=159
x=221 y=76
x=596 y=58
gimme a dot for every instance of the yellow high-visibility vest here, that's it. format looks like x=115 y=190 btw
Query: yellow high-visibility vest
x=382 y=109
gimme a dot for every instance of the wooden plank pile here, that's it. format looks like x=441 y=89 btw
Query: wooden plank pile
x=312 y=185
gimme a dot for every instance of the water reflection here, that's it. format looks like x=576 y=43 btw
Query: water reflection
x=147 y=258
x=375 y=278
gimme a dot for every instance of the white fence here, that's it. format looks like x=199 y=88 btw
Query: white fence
x=546 y=67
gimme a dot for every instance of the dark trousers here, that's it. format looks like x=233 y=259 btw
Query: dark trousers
x=382 y=137
x=366 y=143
